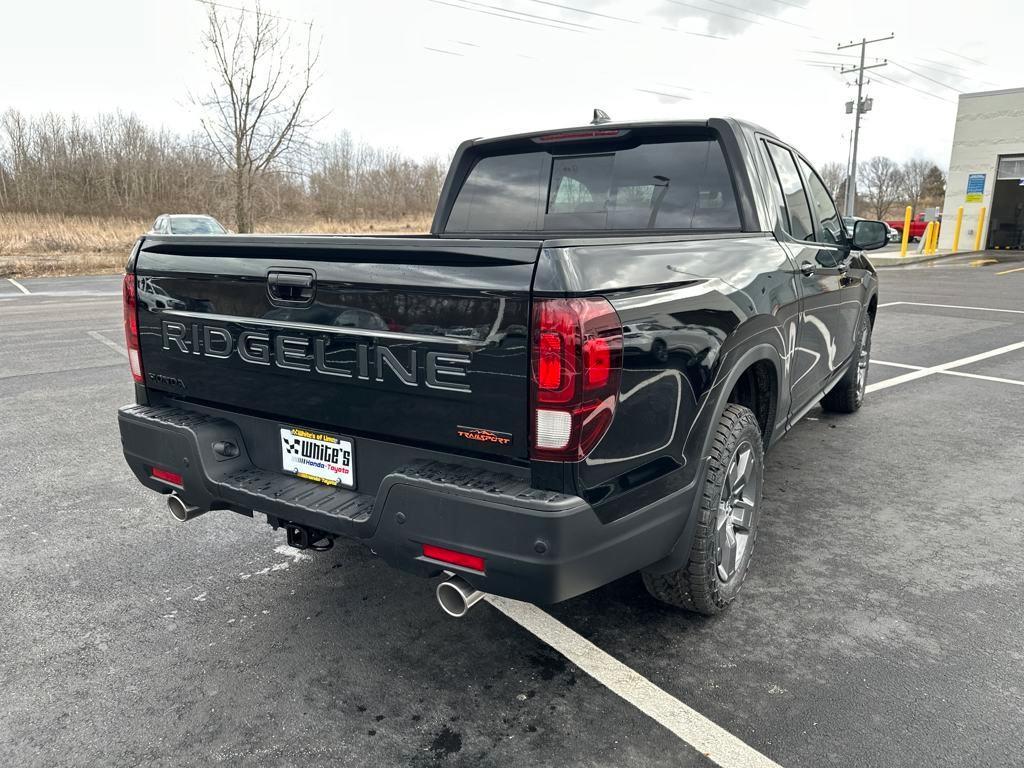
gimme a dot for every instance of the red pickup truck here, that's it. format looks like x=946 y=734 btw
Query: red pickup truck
x=917 y=226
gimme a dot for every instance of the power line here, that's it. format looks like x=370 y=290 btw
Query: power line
x=950 y=71
x=504 y=16
x=676 y=96
x=442 y=50
x=962 y=56
x=911 y=87
x=828 y=53
x=695 y=34
x=930 y=79
x=762 y=15
x=624 y=19
x=941 y=69
x=249 y=10
x=717 y=13
x=528 y=15
x=581 y=10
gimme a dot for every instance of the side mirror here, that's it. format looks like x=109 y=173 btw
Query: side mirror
x=869 y=235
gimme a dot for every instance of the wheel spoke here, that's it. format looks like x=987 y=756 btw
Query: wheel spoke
x=733 y=476
x=736 y=510
x=726 y=552
x=727 y=485
x=742 y=514
x=743 y=469
x=724 y=513
x=743 y=462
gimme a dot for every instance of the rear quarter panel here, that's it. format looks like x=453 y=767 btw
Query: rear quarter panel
x=693 y=309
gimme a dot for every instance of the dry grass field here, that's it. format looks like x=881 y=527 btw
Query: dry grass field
x=33 y=245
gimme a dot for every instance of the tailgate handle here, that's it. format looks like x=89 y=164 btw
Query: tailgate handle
x=291 y=287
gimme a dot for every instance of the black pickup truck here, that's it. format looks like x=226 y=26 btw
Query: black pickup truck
x=572 y=378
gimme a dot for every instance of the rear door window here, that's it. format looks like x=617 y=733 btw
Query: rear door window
x=799 y=222
x=666 y=185
x=830 y=226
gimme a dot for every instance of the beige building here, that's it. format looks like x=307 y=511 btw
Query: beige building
x=986 y=168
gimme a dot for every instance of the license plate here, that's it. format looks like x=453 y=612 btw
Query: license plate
x=316 y=456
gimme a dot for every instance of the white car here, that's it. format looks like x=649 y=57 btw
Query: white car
x=187 y=224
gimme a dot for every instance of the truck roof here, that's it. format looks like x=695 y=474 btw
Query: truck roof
x=625 y=125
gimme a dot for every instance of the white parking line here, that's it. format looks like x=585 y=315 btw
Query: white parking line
x=19 y=286
x=713 y=741
x=112 y=344
x=964 y=374
x=922 y=372
x=953 y=306
x=63 y=294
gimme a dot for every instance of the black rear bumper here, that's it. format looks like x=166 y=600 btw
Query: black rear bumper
x=537 y=545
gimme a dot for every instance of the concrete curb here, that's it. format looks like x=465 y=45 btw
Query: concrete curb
x=917 y=258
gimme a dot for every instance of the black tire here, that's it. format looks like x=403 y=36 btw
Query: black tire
x=699 y=586
x=847 y=396
x=659 y=351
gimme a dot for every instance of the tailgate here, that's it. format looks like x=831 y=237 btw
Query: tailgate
x=420 y=340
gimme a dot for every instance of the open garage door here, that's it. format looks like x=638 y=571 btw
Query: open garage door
x=1007 y=218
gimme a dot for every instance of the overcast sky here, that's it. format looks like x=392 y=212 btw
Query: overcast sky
x=425 y=74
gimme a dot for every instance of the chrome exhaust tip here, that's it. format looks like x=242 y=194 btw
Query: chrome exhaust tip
x=181 y=511
x=456 y=596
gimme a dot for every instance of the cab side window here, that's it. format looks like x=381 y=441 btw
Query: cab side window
x=830 y=226
x=798 y=221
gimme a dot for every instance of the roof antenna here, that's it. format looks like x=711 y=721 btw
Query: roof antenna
x=600 y=116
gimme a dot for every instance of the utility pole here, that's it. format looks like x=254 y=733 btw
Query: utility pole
x=858 y=109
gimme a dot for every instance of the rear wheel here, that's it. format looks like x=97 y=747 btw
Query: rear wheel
x=848 y=394
x=727 y=524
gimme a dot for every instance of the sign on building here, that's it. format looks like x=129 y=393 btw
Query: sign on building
x=975 y=188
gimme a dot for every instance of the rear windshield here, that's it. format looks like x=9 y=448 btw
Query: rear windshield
x=667 y=185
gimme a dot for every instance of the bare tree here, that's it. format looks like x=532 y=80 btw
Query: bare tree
x=115 y=165
x=914 y=173
x=882 y=183
x=834 y=176
x=254 y=109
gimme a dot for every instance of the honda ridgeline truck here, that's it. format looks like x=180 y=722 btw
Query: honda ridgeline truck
x=573 y=377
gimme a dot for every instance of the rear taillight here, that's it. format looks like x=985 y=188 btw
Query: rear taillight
x=131 y=326
x=577 y=365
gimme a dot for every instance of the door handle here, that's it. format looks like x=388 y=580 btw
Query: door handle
x=290 y=280
x=806 y=268
x=291 y=287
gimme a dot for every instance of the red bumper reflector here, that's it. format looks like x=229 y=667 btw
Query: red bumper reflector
x=167 y=477
x=453 y=557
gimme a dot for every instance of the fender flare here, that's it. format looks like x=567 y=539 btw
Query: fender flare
x=716 y=401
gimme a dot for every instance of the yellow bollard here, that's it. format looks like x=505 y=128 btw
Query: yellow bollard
x=956 y=232
x=926 y=238
x=935 y=237
x=906 y=230
x=981 y=226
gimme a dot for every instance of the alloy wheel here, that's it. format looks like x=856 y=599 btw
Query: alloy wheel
x=737 y=510
x=864 y=359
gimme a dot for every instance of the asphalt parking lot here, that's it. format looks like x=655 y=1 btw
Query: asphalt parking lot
x=881 y=625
